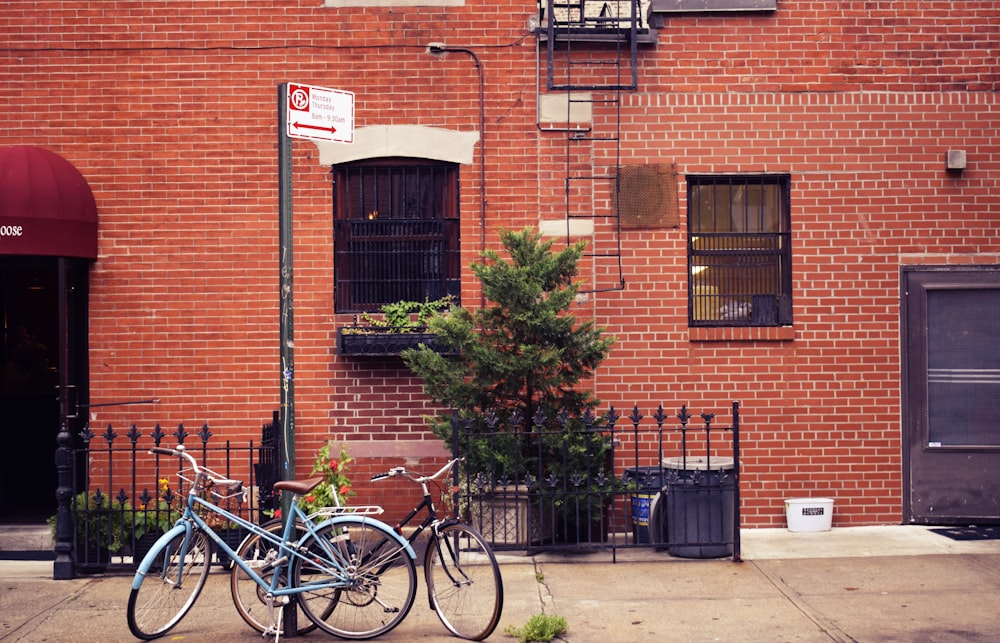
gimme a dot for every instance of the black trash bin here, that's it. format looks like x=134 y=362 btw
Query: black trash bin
x=648 y=482
x=700 y=507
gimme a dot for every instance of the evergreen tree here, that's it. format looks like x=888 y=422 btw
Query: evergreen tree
x=524 y=350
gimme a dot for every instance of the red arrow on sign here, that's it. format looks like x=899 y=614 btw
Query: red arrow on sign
x=330 y=129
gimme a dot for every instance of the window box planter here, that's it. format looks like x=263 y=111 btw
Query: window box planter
x=401 y=325
x=353 y=340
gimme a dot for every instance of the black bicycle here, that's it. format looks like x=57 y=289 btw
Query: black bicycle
x=464 y=586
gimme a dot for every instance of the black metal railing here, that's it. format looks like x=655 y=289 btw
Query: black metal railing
x=668 y=482
x=124 y=498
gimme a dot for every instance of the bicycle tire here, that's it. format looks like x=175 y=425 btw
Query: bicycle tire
x=379 y=585
x=463 y=581
x=250 y=598
x=171 y=586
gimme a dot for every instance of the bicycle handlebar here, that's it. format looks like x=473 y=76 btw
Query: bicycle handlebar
x=235 y=486
x=412 y=477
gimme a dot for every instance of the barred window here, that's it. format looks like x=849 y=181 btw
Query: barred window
x=396 y=232
x=739 y=250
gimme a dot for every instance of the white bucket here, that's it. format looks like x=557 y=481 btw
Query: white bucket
x=809 y=514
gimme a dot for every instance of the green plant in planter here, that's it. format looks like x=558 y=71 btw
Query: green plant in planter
x=100 y=521
x=401 y=317
x=523 y=354
x=402 y=325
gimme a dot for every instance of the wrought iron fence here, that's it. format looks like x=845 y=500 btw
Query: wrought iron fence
x=670 y=482
x=565 y=483
x=123 y=498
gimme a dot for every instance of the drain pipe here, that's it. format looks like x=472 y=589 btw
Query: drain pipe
x=438 y=49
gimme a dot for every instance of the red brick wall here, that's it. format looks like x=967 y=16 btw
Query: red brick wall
x=169 y=111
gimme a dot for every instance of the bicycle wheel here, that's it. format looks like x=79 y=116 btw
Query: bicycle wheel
x=172 y=584
x=375 y=588
x=249 y=597
x=463 y=581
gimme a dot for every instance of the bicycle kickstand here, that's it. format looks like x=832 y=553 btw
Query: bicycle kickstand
x=275 y=627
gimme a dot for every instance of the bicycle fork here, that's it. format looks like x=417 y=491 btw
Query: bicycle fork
x=451 y=562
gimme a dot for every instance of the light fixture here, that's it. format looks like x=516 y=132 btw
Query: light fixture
x=955 y=160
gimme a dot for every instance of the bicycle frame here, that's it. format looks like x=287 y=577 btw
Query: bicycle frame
x=431 y=520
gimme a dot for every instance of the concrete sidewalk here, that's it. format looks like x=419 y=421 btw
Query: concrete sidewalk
x=850 y=584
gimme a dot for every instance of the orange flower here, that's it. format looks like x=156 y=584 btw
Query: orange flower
x=310 y=498
x=344 y=489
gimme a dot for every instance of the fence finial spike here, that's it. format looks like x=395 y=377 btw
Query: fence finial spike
x=157 y=434
x=86 y=434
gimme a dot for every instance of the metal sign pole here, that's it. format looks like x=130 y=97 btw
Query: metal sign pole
x=286 y=327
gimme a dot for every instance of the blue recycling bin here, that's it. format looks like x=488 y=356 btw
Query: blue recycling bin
x=648 y=483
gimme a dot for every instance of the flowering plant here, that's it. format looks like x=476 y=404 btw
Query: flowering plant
x=160 y=513
x=336 y=486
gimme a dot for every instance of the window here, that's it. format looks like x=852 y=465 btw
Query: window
x=739 y=251
x=396 y=232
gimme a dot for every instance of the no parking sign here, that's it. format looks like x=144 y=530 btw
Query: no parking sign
x=319 y=113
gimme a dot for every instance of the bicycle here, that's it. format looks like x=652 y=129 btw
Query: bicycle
x=326 y=564
x=464 y=585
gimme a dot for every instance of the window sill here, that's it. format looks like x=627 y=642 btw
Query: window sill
x=741 y=334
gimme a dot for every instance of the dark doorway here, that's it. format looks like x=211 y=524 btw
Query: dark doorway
x=30 y=355
x=951 y=395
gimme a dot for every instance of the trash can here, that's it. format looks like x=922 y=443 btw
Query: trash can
x=700 y=506
x=647 y=485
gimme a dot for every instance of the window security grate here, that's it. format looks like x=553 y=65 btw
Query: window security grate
x=396 y=233
x=739 y=251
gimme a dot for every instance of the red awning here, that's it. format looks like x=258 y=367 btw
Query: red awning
x=46 y=206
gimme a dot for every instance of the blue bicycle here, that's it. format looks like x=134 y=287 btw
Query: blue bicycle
x=337 y=565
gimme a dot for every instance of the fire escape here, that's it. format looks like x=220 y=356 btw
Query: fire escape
x=591 y=57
